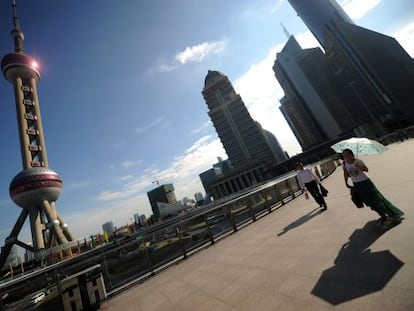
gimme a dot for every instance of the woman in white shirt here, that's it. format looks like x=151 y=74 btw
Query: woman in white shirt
x=365 y=188
x=309 y=182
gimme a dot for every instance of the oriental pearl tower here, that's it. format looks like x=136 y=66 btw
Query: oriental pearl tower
x=36 y=188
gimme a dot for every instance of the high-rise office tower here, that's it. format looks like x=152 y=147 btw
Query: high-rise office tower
x=242 y=137
x=319 y=15
x=139 y=218
x=36 y=188
x=311 y=106
x=198 y=197
x=108 y=227
x=209 y=176
x=370 y=70
x=162 y=194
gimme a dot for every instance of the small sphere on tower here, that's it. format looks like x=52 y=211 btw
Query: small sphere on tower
x=32 y=186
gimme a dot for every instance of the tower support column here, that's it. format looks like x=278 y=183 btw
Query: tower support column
x=54 y=222
x=37 y=228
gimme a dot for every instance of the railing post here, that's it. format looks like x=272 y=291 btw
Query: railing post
x=252 y=214
x=106 y=270
x=233 y=222
x=180 y=239
x=210 y=234
x=267 y=205
x=278 y=193
x=148 y=258
x=292 y=193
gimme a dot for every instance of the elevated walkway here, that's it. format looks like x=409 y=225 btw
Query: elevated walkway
x=299 y=258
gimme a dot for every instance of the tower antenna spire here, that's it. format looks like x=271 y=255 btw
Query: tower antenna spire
x=285 y=31
x=16 y=33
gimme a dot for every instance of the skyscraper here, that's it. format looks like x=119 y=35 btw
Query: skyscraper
x=211 y=175
x=162 y=194
x=319 y=15
x=108 y=227
x=242 y=137
x=370 y=69
x=311 y=106
x=36 y=188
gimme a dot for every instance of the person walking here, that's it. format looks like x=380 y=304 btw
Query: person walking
x=366 y=190
x=309 y=182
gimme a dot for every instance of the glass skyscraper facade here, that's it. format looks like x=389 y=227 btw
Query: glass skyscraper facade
x=162 y=194
x=242 y=137
x=370 y=71
x=311 y=105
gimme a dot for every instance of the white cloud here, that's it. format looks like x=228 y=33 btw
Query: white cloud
x=261 y=92
x=183 y=172
x=256 y=11
x=405 y=36
x=357 y=9
x=193 y=54
x=119 y=206
x=197 y=53
x=129 y=163
x=202 y=128
x=127 y=177
x=88 y=221
x=109 y=195
x=76 y=185
x=160 y=122
x=185 y=169
x=167 y=68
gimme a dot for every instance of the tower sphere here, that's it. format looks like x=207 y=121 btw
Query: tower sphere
x=15 y=64
x=32 y=186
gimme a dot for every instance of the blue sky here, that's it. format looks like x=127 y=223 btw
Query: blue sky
x=120 y=93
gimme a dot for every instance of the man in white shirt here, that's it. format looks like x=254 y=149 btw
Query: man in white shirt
x=309 y=182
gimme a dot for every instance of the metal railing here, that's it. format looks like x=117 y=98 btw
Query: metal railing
x=397 y=136
x=142 y=255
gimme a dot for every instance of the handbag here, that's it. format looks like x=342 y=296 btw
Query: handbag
x=323 y=190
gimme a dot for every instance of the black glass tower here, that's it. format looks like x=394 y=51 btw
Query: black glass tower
x=371 y=71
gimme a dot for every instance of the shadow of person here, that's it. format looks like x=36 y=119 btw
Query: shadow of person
x=300 y=221
x=357 y=270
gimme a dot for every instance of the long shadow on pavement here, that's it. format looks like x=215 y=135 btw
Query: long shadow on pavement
x=300 y=221
x=358 y=271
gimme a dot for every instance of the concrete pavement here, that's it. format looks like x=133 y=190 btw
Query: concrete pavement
x=298 y=258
